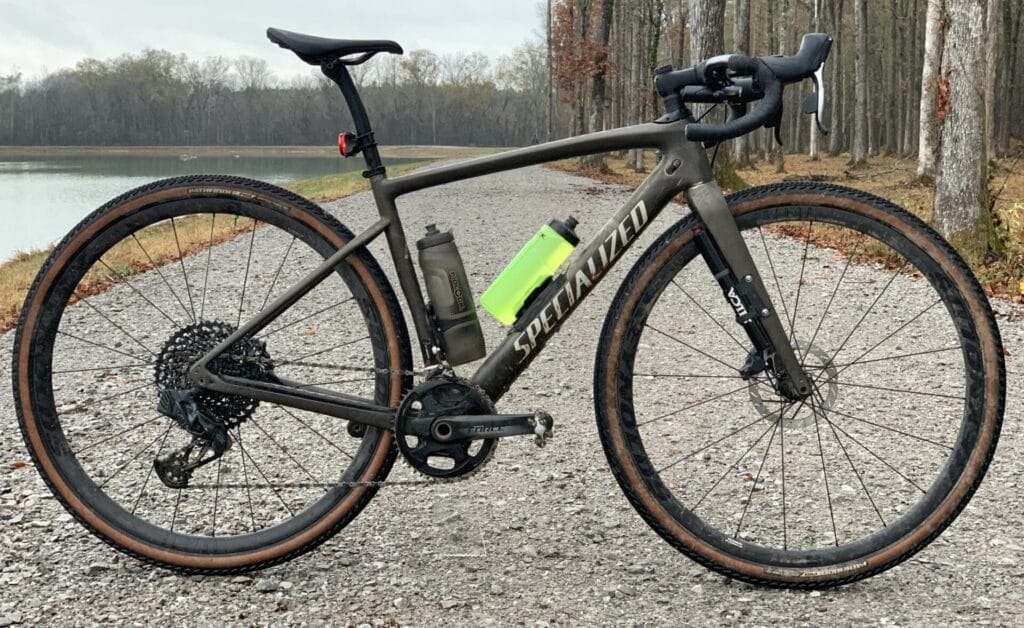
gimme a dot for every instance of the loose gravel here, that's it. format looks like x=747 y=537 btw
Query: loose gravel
x=539 y=537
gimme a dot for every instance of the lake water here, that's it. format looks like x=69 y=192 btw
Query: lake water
x=42 y=198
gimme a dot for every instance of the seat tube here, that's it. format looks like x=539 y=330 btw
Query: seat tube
x=708 y=201
x=337 y=72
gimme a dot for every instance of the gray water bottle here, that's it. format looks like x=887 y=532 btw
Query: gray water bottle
x=450 y=296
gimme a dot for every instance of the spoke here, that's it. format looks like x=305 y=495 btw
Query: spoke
x=177 y=503
x=880 y=342
x=290 y=359
x=713 y=319
x=216 y=497
x=896 y=390
x=690 y=347
x=778 y=288
x=104 y=368
x=307 y=317
x=269 y=484
x=865 y=315
x=692 y=405
x=285 y=450
x=828 y=305
x=731 y=467
x=834 y=425
x=753 y=485
x=108 y=398
x=142 y=361
x=824 y=416
x=245 y=279
x=800 y=283
x=109 y=320
x=824 y=474
x=889 y=428
x=782 y=448
x=181 y=260
x=121 y=433
x=715 y=442
x=896 y=357
x=315 y=431
x=132 y=287
x=206 y=274
x=273 y=283
x=160 y=273
x=150 y=473
x=136 y=456
x=245 y=473
x=683 y=376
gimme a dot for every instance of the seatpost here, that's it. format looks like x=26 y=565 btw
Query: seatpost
x=337 y=72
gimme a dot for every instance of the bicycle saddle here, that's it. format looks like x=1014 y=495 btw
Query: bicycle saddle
x=317 y=50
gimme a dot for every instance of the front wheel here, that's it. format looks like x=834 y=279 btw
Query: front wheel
x=907 y=370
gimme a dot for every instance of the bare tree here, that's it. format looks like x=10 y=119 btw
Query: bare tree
x=598 y=82
x=993 y=58
x=741 y=43
x=928 y=140
x=961 y=194
x=859 y=150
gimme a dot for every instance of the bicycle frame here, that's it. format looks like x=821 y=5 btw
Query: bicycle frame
x=683 y=168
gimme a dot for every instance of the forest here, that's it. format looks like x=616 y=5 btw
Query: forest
x=939 y=81
x=603 y=57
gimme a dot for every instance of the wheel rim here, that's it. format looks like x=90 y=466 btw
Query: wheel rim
x=123 y=348
x=675 y=458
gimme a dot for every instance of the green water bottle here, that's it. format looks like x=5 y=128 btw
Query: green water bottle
x=534 y=264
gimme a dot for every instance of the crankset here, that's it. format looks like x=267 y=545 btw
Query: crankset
x=447 y=427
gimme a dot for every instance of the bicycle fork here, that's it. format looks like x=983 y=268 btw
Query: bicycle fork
x=728 y=258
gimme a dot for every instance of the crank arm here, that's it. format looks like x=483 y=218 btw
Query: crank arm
x=463 y=428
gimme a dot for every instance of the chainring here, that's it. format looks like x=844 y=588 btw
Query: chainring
x=424 y=404
x=247 y=359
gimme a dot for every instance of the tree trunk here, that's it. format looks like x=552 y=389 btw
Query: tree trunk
x=778 y=153
x=835 y=122
x=741 y=44
x=813 y=150
x=961 y=194
x=859 y=150
x=707 y=39
x=928 y=139
x=993 y=33
x=598 y=102
x=636 y=155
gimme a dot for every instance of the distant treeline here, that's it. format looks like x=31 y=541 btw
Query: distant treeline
x=158 y=98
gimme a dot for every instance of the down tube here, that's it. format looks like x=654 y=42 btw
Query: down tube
x=529 y=335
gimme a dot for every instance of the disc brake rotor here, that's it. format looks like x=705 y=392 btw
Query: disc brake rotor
x=823 y=380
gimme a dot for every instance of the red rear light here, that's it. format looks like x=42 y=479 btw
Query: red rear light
x=343 y=144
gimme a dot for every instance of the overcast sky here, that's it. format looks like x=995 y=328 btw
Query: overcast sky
x=45 y=35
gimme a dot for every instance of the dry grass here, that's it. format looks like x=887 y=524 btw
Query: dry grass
x=154 y=246
x=1002 y=273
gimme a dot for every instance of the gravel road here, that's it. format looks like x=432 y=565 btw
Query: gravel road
x=539 y=537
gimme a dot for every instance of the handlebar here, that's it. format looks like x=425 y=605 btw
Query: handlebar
x=765 y=113
x=739 y=79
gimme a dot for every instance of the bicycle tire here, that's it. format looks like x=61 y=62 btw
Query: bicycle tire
x=40 y=420
x=687 y=532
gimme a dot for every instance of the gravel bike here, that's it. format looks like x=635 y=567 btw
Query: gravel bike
x=214 y=375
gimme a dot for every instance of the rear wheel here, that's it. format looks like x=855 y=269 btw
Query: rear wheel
x=907 y=370
x=130 y=299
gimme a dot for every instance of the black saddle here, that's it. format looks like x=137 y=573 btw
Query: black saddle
x=318 y=50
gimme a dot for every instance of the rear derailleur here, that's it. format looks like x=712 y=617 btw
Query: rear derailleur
x=210 y=438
